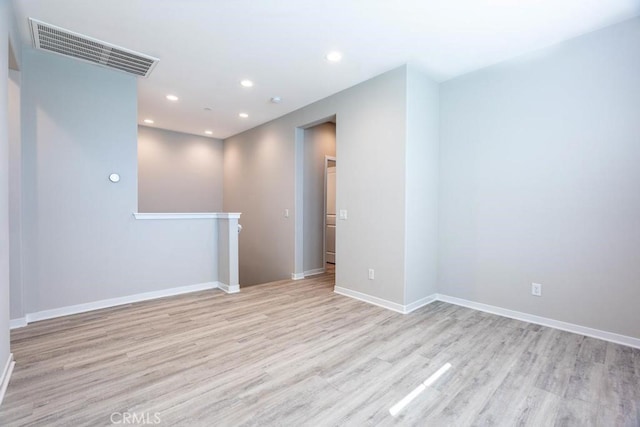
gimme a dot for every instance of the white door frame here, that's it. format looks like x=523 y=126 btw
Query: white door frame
x=327 y=159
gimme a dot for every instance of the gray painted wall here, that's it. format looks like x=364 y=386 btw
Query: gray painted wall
x=319 y=141
x=539 y=182
x=80 y=241
x=260 y=179
x=6 y=16
x=15 y=197
x=178 y=172
x=421 y=203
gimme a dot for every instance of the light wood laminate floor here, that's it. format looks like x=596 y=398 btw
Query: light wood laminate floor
x=294 y=354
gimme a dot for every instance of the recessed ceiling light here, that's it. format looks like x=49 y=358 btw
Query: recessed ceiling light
x=172 y=98
x=149 y=121
x=243 y=115
x=246 y=83
x=334 y=56
x=208 y=132
x=276 y=99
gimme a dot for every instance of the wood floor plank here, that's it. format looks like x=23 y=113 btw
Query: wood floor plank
x=295 y=353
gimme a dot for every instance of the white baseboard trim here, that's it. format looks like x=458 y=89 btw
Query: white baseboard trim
x=234 y=289
x=18 y=323
x=112 y=302
x=313 y=272
x=544 y=321
x=399 y=308
x=525 y=317
x=6 y=376
x=297 y=276
x=370 y=299
x=420 y=303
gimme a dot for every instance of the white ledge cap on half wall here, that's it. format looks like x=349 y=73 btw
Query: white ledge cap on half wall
x=193 y=215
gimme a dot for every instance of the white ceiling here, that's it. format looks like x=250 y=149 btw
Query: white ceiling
x=206 y=47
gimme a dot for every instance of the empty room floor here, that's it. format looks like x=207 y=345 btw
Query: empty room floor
x=294 y=353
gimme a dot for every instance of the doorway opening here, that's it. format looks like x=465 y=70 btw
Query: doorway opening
x=315 y=229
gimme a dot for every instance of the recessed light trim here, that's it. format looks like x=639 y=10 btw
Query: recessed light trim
x=334 y=56
x=149 y=121
x=208 y=132
x=172 y=98
x=243 y=115
x=246 y=83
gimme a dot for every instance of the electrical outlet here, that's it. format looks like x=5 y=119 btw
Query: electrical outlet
x=536 y=289
x=286 y=213
x=372 y=274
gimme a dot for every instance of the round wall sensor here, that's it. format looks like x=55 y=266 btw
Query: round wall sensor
x=114 y=177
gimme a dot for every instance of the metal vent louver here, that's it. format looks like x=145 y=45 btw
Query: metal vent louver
x=55 y=39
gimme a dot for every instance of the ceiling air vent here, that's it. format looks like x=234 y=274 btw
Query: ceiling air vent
x=64 y=42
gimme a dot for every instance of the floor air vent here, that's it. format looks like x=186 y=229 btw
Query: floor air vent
x=55 y=39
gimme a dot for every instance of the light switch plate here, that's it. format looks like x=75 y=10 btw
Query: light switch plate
x=343 y=214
